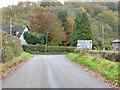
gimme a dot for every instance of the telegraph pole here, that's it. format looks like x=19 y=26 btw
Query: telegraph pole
x=47 y=38
x=11 y=26
x=103 y=32
x=11 y=15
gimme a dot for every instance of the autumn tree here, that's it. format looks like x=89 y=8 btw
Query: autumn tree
x=82 y=30
x=69 y=26
x=47 y=22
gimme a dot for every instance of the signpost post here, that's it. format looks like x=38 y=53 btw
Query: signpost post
x=84 y=44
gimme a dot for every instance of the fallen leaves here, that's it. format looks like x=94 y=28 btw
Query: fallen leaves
x=8 y=69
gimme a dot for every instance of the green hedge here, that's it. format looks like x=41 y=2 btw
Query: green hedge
x=109 y=55
x=11 y=47
x=43 y=48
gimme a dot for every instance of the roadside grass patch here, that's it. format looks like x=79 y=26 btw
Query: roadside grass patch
x=107 y=68
x=12 y=63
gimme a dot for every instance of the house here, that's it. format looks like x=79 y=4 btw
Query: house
x=116 y=44
x=17 y=31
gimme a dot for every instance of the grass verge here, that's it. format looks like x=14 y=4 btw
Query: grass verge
x=107 y=68
x=12 y=63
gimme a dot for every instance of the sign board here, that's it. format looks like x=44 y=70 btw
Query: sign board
x=84 y=44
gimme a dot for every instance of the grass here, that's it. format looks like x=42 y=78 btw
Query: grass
x=107 y=68
x=37 y=52
x=12 y=63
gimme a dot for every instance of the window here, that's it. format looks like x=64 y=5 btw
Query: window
x=14 y=33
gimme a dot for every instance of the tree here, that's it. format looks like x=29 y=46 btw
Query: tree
x=62 y=15
x=47 y=22
x=82 y=30
x=34 y=38
x=69 y=26
x=112 y=6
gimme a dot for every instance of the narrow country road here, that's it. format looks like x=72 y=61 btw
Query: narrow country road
x=51 y=71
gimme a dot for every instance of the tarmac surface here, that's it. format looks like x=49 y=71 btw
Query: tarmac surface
x=51 y=71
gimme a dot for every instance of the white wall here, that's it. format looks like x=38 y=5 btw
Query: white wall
x=23 y=42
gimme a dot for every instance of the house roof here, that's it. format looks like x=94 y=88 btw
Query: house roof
x=16 y=28
x=116 y=41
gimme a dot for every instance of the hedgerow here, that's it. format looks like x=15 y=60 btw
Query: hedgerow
x=11 y=47
x=43 y=48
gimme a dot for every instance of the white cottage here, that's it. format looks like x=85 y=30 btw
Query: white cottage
x=17 y=31
x=116 y=45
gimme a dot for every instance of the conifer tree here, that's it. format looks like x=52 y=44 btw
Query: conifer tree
x=82 y=30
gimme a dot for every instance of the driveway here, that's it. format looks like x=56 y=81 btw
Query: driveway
x=51 y=71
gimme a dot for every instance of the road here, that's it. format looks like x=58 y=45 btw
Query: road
x=51 y=71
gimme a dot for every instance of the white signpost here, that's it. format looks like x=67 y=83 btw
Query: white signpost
x=84 y=44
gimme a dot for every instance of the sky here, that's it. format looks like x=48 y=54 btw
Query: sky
x=5 y=3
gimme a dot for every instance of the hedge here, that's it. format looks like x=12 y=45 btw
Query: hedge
x=11 y=47
x=0 y=45
x=43 y=48
x=109 y=55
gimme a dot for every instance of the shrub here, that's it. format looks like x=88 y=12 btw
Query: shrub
x=34 y=38
x=43 y=48
x=11 y=47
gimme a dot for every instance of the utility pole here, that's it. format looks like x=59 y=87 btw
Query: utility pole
x=11 y=26
x=47 y=38
x=11 y=14
x=103 y=37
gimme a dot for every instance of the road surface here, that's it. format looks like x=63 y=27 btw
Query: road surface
x=51 y=71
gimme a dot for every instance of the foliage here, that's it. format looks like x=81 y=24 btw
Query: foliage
x=69 y=26
x=47 y=22
x=48 y=4
x=11 y=47
x=100 y=14
x=43 y=48
x=112 y=6
x=37 y=52
x=62 y=15
x=109 y=55
x=82 y=30
x=111 y=71
x=34 y=38
x=110 y=18
x=0 y=45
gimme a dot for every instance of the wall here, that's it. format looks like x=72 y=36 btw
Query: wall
x=116 y=46
x=23 y=42
x=0 y=45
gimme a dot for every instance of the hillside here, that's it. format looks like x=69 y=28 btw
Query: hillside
x=100 y=14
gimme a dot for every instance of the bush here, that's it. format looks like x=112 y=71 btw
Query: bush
x=43 y=48
x=11 y=47
x=34 y=38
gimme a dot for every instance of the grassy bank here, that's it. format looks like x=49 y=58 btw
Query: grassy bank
x=12 y=63
x=107 y=68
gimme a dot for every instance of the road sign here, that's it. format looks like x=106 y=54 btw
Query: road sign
x=84 y=44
